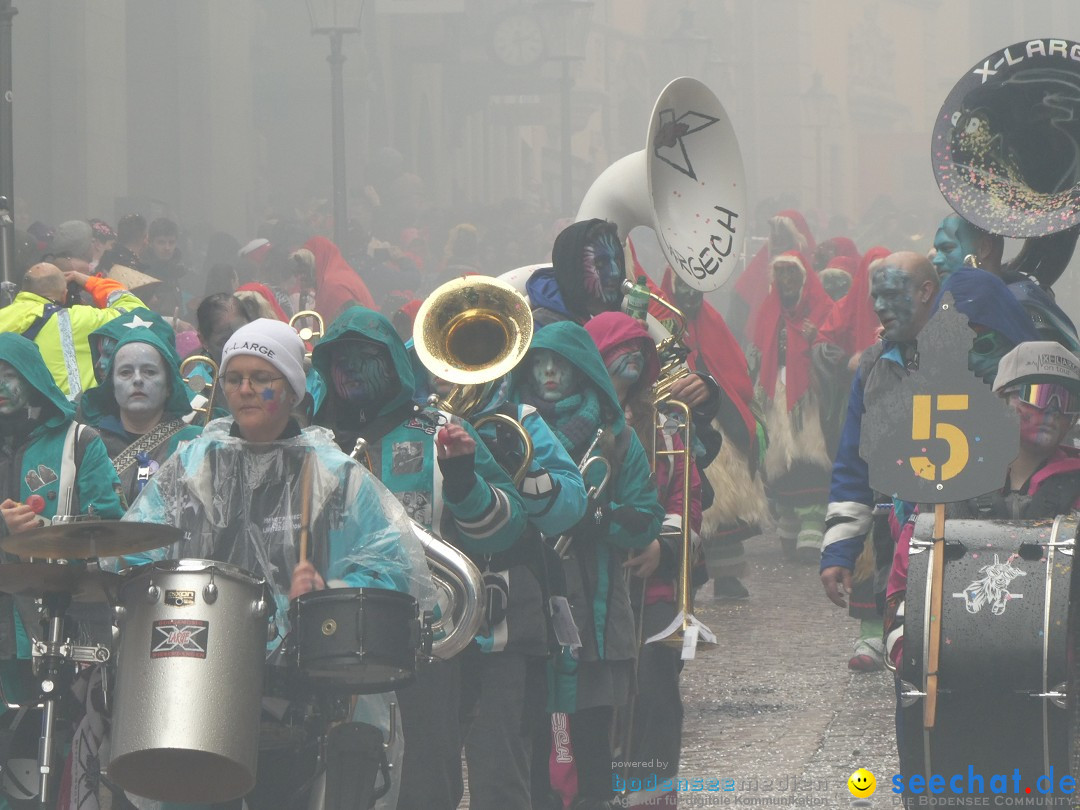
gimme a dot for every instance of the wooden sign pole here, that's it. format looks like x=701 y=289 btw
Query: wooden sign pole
x=936 y=585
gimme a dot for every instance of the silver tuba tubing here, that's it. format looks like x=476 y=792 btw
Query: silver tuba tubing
x=458 y=582
x=460 y=585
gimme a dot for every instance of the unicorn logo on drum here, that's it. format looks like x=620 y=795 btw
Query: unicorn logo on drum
x=992 y=589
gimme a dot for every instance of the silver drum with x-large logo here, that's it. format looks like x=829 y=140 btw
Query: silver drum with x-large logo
x=189 y=681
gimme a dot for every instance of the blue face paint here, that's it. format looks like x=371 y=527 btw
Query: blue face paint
x=952 y=243
x=603 y=275
x=893 y=294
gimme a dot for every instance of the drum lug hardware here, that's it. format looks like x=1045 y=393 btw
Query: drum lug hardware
x=909 y=694
x=271 y=630
x=152 y=593
x=210 y=592
x=260 y=608
x=1056 y=696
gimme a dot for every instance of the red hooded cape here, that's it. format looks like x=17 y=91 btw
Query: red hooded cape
x=337 y=285
x=814 y=305
x=852 y=324
x=754 y=283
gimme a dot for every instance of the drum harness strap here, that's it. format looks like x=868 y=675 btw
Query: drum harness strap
x=144 y=445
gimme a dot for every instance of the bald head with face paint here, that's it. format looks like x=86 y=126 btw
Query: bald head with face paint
x=903 y=287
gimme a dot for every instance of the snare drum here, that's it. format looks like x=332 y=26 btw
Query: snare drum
x=355 y=640
x=189 y=681
x=1003 y=666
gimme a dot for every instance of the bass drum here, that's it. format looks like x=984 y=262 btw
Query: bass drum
x=1004 y=663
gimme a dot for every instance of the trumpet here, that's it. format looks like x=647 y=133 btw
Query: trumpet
x=308 y=333
x=199 y=384
x=458 y=581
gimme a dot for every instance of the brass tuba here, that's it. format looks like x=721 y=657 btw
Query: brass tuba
x=471 y=332
x=457 y=581
x=1006 y=151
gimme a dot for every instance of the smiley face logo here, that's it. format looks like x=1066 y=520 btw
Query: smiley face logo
x=862 y=784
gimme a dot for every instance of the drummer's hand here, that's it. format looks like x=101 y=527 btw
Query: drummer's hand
x=690 y=390
x=305 y=579
x=18 y=516
x=837 y=582
x=646 y=562
x=453 y=440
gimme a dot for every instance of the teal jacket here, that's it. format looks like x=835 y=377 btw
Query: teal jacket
x=99 y=408
x=32 y=463
x=596 y=587
x=487 y=515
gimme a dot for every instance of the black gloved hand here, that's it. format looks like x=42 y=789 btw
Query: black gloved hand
x=459 y=476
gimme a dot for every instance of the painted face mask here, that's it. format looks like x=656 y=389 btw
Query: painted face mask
x=894 y=302
x=986 y=351
x=140 y=384
x=950 y=246
x=687 y=298
x=626 y=366
x=788 y=281
x=14 y=391
x=361 y=371
x=603 y=275
x=553 y=376
x=106 y=347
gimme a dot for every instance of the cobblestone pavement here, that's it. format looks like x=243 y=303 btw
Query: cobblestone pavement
x=777 y=702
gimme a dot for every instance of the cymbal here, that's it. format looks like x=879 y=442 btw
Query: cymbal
x=90 y=538
x=39 y=578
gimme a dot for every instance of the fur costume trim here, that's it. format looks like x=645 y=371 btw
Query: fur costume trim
x=737 y=496
x=786 y=445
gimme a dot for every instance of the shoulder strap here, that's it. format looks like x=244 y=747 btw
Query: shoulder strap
x=147 y=443
x=32 y=331
x=69 y=471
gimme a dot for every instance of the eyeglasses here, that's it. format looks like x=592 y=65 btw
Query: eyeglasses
x=1043 y=395
x=259 y=381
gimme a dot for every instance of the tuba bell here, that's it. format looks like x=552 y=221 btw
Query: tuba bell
x=471 y=332
x=1006 y=151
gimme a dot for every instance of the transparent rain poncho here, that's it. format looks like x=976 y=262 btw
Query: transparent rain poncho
x=240 y=503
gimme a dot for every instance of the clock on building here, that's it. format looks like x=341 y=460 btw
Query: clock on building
x=517 y=40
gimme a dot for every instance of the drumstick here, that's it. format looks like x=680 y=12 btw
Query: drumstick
x=305 y=508
x=936 y=585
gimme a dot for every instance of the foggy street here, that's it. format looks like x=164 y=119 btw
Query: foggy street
x=777 y=701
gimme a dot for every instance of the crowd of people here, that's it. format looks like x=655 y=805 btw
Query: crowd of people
x=97 y=419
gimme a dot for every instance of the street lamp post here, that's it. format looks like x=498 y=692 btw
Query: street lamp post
x=7 y=158
x=566 y=30
x=335 y=18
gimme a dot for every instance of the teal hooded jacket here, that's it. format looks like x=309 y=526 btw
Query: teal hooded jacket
x=596 y=588
x=99 y=408
x=34 y=464
x=488 y=518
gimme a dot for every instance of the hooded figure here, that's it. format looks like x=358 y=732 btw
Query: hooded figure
x=44 y=453
x=448 y=483
x=137 y=455
x=797 y=462
x=586 y=275
x=503 y=672
x=787 y=231
x=103 y=340
x=629 y=352
x=337 y=284
x=563 y=376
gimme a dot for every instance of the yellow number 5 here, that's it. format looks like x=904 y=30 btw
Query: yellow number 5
x=921 y=419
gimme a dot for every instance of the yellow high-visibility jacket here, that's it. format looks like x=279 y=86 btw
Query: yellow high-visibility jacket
x=63 y=337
